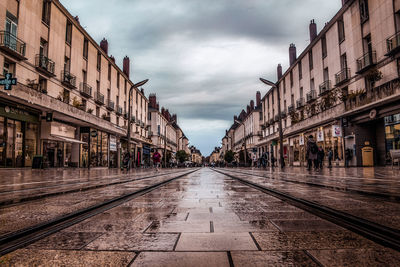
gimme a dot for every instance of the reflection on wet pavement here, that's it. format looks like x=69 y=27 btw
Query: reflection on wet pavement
x=207 y=219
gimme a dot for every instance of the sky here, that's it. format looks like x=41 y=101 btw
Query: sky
x=203 y=58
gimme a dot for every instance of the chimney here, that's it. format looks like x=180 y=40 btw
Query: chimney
x=76 y=18
x=252 y=104
x=163 y=111
x=153 y=101
x=313 y=30
x=292 y=54
x=279 y=71
x=125 y=65
x=258 y=99
x=174 y=118
x=248 y=109
x=104 y=45
x=235 y=118
x=112 y=58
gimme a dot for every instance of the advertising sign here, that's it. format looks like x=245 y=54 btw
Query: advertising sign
x=113 y=143
x=301 y=140
x=320 y=135
x=336 y=131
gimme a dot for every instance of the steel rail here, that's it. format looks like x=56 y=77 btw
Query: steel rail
x=380 y=234
x=24 y=237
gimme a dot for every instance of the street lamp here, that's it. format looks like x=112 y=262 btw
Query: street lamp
x=244 y=137
x=165 y=142
x=134 y=86
x=274 y=85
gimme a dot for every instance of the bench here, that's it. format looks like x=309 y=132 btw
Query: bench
x=395 y=155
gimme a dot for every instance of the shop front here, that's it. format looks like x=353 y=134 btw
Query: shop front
x=60 y=147
x=95 y=150
x=392 y=134
x=18 y=137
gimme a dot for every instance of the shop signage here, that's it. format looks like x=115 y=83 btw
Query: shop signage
x=17 y=114
x=320 y=136
x=336 y=131
x=113 y=143
x=393 y=119
x=8 y=82
x=301 y=140
x=93 y=133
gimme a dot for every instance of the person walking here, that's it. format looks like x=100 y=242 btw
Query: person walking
x=330 y=157
x=312 y=151
x=127 y=160
x=156 y=159
x=320 y=157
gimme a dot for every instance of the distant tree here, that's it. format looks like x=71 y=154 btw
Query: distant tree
x=181 y=156
x=229 y=156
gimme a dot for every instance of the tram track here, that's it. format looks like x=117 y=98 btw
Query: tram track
x=26 y=236
x=378 y=233
x=387 y=197
x=8 y=202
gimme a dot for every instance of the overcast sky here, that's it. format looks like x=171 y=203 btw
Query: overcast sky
x=203 y=57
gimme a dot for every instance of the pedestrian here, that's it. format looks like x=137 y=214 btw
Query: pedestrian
x=320 y=157
x=272 y=160
x=156 y=159
x=330 y=157
x=348 y=156
x=312 y=151
x=126 y=160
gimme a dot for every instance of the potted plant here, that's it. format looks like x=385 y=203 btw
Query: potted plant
x=90 y=111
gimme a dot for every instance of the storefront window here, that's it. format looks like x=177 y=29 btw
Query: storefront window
x=93 y=149
x=85 y=150
x=31 y=130
x=104 y=149
x=2 y=143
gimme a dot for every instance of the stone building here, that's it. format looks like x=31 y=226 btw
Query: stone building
x=70 y=102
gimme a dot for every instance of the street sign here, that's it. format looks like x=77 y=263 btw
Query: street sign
x=8 y=82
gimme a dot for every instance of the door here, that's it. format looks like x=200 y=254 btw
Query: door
x=10 y=38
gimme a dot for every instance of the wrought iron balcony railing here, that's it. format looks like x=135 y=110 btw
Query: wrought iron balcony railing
x=300 y=103
x=68 y=79
x=99 y=98
x=110 y=104
x=11 y=44
x=85 y=90
x=45 y=65
x=366 y=61
x=325 y=87
x=342 y=76
x=311 y=96
x=291 y=108
x=119 y=110
x=393 y=44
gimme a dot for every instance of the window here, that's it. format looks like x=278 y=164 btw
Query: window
x=67 y=64
x=301 y=92
x=66 y=96
x=118 y=80
x=272 y=97
x=324 y=50
x=8 y=67
x=46 y=11
x=341 y=30
x=98 y=86
x=326 y=74
x=364 y=10
x=109 y=72
x=98 y=61
x=11 y=27
x=84 y=76
x=300 y=71
x=68 y=32
x=117 y=121
x=368 y=44
x=310 y=60
x=312 y=85
x=291 y=78
x=292 y=99
x=125 y=87
x=85 y=48
x=43 y=50
x=42 y=85
x=284 y=86
x=343 y=61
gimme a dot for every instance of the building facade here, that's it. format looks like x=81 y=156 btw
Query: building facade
x=70 y=102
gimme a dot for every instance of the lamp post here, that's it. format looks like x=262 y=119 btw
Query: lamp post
x=165 y=142
x=244 y=137
x=274 y=85
x=134 y=86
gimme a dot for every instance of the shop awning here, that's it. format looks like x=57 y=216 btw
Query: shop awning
x=67 y=139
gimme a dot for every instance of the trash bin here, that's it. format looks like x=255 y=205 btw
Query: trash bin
x=367 y=156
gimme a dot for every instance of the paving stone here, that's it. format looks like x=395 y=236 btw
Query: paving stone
x=182 y=259
x=215 y=242
x=65 y=240
x=271 y=258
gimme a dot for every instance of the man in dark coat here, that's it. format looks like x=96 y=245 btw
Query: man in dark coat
x=312 y=151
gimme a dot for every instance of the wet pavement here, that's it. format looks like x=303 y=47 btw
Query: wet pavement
x=332 y=190
x=205 y=219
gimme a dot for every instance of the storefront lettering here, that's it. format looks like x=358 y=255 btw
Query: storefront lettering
x=16 y=111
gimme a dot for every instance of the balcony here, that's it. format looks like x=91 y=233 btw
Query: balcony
x=13 y=46
x=133 y=119
x=68 y=79
x=393 y=45
x=45 y=65
x=342 y=76
x=99 y=98
x=110 y=105
x=125 y=115
x=119 y=110
x=367 y=61
x=311 y=96
x=271 y=121
x=325 y=87
x=291 y=108
x=300 y=103
x=85 y=90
